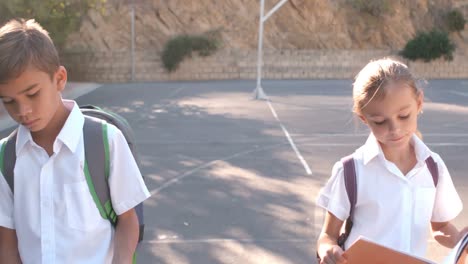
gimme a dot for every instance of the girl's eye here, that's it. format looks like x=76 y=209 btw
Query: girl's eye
x=379 y=123
x=404 y=117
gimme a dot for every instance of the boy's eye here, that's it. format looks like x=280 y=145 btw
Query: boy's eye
x=7 y=101
x=33 y=94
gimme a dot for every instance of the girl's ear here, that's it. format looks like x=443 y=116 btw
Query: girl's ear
x=363 y=119
x=420 y=101
x=61 y=78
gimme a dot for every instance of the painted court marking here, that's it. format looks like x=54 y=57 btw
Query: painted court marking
x=459 y=93
x=206 y=165
x=291 y=142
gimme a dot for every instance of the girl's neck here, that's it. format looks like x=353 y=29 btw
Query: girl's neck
x=403 y=158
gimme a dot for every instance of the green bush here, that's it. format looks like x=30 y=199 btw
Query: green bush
x=182 y=46
x=373 y=7
x=455 y=20
x=429 y=46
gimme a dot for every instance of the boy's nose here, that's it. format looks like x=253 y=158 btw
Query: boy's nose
x=24 y=110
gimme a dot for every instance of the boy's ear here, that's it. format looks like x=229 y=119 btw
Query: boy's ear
x=61 y=78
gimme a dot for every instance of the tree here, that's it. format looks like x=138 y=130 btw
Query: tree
x=59 y=17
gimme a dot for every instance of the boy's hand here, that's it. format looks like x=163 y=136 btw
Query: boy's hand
x=334 y=255
x=126 y=237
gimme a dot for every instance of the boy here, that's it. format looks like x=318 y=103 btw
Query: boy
x=50 y=216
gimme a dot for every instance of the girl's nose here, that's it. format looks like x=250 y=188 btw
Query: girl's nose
x=393 y=126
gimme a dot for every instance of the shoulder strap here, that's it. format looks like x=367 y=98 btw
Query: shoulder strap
x=97 y=165
x=432 y=166
x=8 y=158
x=349 y=171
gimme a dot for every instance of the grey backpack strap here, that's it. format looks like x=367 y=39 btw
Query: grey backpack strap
x=432 y=166
x=97 y=165
x=8 y=159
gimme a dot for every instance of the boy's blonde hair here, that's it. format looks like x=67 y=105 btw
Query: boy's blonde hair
x=371 y=81
x=25 y=43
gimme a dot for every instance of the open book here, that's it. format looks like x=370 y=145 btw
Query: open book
x=365 y=251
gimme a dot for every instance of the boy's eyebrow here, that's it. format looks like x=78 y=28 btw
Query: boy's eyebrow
x=32 y=86
x=29 y=88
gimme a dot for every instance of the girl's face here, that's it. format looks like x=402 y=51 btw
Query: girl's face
x=393 y=118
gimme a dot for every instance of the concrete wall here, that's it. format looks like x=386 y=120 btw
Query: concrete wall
x=238 y=64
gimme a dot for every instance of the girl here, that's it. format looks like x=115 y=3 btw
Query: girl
x=397 y=200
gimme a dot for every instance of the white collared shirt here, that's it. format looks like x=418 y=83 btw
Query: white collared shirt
x=393 y=209
x=53 y=212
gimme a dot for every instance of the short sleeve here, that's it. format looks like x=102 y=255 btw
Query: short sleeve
x=447 y=203
x=333 y=197
x=125 y=181
x=6 y=204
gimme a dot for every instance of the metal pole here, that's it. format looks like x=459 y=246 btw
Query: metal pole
x=133 y=41
x=274 y=9
x=259 y=93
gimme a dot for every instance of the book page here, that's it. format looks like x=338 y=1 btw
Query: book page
x=364 y=251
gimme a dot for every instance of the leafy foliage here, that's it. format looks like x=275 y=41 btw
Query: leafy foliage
x=429 y=46
x=58 y=17
x=372 y=7
x=182 y=46
x=455 y=20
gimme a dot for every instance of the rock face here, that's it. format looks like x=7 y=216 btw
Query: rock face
x=299 y=24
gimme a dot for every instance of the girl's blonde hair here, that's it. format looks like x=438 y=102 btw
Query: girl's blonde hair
x=371 y=81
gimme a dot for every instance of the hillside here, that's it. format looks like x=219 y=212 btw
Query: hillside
x=299 y=24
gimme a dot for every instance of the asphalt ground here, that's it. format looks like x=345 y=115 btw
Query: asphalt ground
x=233 y=180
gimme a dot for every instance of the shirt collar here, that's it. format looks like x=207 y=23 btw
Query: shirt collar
x=372 y=149
x=69 y=135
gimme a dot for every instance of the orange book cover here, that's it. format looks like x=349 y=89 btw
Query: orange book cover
x=364 y=251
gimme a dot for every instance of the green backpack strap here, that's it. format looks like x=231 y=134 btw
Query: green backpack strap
x=8 y=159
x=96 y=147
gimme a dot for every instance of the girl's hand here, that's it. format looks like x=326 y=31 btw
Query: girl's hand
x=334 y=255
x=463 y=232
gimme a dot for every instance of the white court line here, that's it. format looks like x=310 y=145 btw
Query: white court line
x=459 y=93
x=224 y=240
x=291 y=142
x=175 y=92
x=206 y=165
x=441 y=144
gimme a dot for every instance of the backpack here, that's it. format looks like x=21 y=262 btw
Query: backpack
x=97 y=162
x=349 y=172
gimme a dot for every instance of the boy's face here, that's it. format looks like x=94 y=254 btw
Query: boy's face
x=33 y=98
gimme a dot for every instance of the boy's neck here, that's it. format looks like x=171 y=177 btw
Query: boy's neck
x=46 y=137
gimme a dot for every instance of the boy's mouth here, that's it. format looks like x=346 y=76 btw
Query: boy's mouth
x=30 y=123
